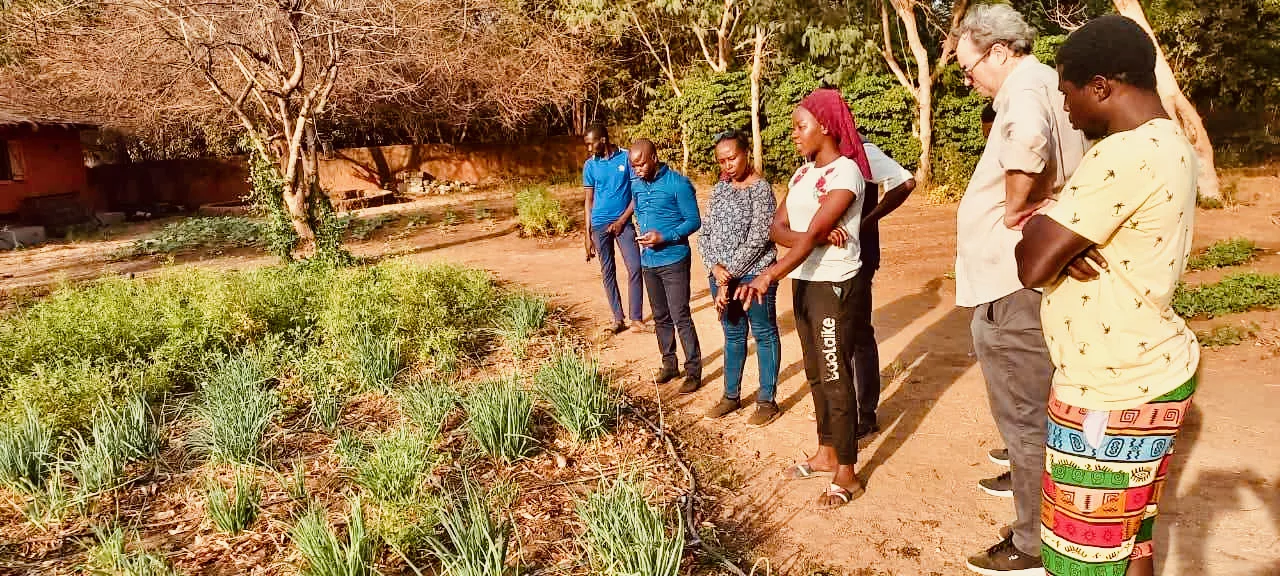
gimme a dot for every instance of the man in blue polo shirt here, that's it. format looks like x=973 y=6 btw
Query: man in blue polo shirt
x=667 y=214
x=607 y=179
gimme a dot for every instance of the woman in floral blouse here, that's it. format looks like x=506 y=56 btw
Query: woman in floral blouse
x=735 y=247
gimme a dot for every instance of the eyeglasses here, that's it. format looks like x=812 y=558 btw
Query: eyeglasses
x=968 y=72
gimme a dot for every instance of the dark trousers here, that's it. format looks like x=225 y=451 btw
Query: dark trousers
x=761 y=321
x=1015 y=363
x=626 y=241
x=823 y=316
x=668 y=288
x=866 y=353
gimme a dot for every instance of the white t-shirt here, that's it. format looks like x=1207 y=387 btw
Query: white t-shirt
x=885 y=171
x=808 y=189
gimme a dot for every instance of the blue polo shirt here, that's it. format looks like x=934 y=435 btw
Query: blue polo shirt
x=609 y=179
x=668 y=205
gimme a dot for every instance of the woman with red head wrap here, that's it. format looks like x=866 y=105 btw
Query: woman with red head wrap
x=825 y=195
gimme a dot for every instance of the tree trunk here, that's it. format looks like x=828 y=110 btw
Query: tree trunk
x=295 y=200
x=923 y=89
x=1177 y=105
x=757 y=70
x=684 y=146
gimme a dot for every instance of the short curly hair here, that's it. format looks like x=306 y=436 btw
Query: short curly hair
x=1113 y=47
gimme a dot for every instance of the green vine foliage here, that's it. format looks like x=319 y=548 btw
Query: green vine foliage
x=329 y=229
x=266 y=194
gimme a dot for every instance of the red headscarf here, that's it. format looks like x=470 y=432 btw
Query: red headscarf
x=828 y=106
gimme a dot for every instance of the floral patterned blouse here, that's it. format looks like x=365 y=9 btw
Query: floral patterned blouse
x=735 y=230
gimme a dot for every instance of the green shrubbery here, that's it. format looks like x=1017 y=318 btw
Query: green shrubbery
x=709 y=103
x=1224 y=254
x=217 y=232
x=539 y=213
x=1235 y=293
x=885 y=112
x=106 y=340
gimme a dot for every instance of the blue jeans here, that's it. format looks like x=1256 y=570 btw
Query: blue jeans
x=762 y=322
x=626 y=241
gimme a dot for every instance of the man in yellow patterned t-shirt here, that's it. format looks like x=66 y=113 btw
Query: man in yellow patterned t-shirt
x=1110 y=254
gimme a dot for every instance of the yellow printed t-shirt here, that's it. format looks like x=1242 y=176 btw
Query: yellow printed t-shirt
x=1116 y=341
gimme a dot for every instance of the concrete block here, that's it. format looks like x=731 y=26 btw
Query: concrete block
x=20 y=236
x=110 y=218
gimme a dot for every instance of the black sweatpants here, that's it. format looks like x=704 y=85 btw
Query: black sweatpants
x=866 y=353
x=823 y=322
x=668 y=288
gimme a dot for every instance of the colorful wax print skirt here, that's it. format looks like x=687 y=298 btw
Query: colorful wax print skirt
x=1100 y=497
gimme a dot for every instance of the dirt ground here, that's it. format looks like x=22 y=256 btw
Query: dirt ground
x=923 y=513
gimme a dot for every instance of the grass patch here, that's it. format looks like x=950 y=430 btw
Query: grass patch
x=626 y=535
x=1229 y=196
x=130 y=431
x=1223 y=254
x=375 y=360
x=477 y=540
x=234 y=515
x=393 y=469
x=363 y=228
x=1226 y=335
x=108 y=339
x=1235 y=293
x=499 y=418
x=218 y=232
x=234 y=409
x=523 y=316
x=94 y=469
x=121 y=434
x=328 y=555
x=427 y=403
x=581 y=400
x=51 y=502
x=327 y=401
x=538 y=213
x=111 y=557
x=26 y=452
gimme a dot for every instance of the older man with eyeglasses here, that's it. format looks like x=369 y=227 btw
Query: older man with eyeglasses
x=1031 y=152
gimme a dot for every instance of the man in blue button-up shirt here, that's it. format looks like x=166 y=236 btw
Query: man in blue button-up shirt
x=666 y=211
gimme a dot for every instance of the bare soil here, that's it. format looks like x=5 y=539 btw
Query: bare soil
x=923 y=513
